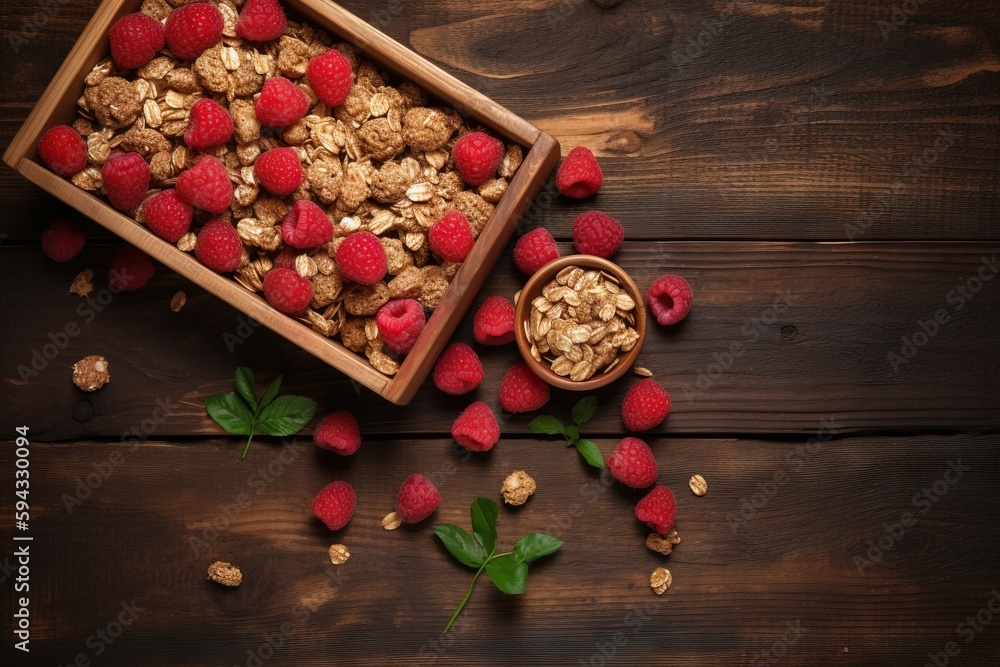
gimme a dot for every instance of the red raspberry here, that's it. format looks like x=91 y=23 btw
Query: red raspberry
x=62 y=240
x=361 y=258
x=130 y=268
x=417 y=499
x=669 y=299
x=279 y=171
x=632 y=463
x=494 y=322
x=191 y=29
x=595 y=233
x=167 y=215
x=219 y=247
x=339 y=433
x=400 y=323
x=135 y=39
x=334 y=504
x=534 y=250
x=210 y=125
x=658 y=509
x=126 y=180
x=458 y=370
x=579 y=175
x=280 y=103
x=451 y=237
x=645 y=405
x=306 y=226
x=287 y=291
x=476 y=428
x=522 y=391
x=63 y=150
x=206 y=185
x=286 y=258
x=261 y=21
x=330 y=76
x=477 y=156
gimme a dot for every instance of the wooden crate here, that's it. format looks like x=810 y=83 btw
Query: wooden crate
x=58 y=106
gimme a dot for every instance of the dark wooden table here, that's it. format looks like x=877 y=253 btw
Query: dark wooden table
x=843 y=156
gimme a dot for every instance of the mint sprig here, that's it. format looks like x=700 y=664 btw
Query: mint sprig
x=244 y=413
x=582 y=413
x=508 y=571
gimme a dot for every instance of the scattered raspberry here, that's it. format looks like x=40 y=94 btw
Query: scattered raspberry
x=330 y=77
x=334 y=504
x=280 y=103
x=206 y=185
x=63 y=150
x=476 y=428
x=579 y=175
x=279 y=171
x=135 y=39
x=669 y=299
x=219 y=247
x=306 y=226
x=287 y=291
x=210 y=125
x=534 y=250
x=361 y=258
x=130 y=268
x=417 y=499
x=62 y=240
x=595 y=233
x=191 y=29
x=494 y=322
x=632 y=464
x=451 y=237
x=658 y=509
x=458 y=370
x=477 y=156
x=126 y=180
x=167 y=215
x=522 y=391
x=646 y=404
x=339 y=433
x=400 y=323
x=261 y=21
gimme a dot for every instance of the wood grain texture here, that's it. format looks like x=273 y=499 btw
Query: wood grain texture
x=136 y=537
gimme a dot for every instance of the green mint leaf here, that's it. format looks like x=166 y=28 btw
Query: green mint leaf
x=231 y=413
x=590 y=453
x=286 y=415
x=509 y=574
x=532 y=547
x=484 y=523
x=245 y=388
x=572 y=434
x=546 y=424
x=460 y=544
x=585 y=410
x=270 y=393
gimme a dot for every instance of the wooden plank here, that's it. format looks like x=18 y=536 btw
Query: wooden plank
x=825 y=355
x=792 y=561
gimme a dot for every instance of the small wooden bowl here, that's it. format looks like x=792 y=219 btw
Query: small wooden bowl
x=533 y=288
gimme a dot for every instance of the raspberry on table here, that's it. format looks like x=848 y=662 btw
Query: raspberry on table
x=477 y=156
x=458 y=370
x=494 y=322
x=287 y=291
x=62 y=240
x=280 y=103
x=579 y=175
x=646 y=405
x=476 y=428
x=669 y=299
x=218 y=246
x=210 y=125
x=451 y=237
x=522 y=391
x=658 y=509
x=334 y=504
x=306 y=225
x=596 y=233
x=135 y=40
x=206 y=185
x=126 y=180
x=400 y=323
x=190 y=29
x=534 y=250
x=167 y=215
x=279 y=171
x=632 y=463
x=361 y=258
x=261 y=21
x=417 y=499
x=330 y=76
x=130 y=268
x=63 y=150
x=339 y=433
